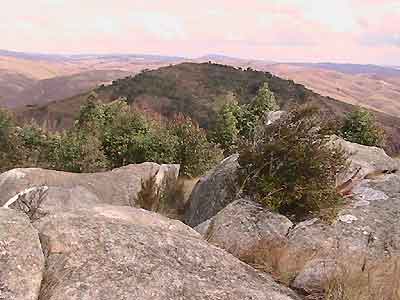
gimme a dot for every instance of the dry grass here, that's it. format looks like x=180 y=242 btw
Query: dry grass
x=168 y=198
x=31 y=203
x=376 y=280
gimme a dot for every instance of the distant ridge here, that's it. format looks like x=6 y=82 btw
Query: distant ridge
x=59 y=57
x=355 y=68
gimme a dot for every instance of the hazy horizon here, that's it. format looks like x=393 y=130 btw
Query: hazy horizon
x=343 y=31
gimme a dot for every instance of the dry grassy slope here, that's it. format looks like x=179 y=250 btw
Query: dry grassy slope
x=378 y=92
x=197 y=90
x=26 y=79
x=58 y=88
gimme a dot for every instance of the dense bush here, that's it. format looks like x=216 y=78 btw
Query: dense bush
x=107 y=136
x=7 y=143
x=361 y=127
x=291 y=167
x=193 y=151
x=226 y=131
x=235 y=121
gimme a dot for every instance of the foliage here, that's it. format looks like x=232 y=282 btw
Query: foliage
x=193 y=151
x=240 y=121
x=76 y=152
x=291 y=167
x=226 y=131
x=264 y=101
x=20 y=146
x=6 y=147
x=361 y=127
x=107 y=136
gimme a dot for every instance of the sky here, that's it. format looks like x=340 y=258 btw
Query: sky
x=348 y=31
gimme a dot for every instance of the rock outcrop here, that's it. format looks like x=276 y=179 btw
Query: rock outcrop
x=21 y=257
x=365 y=162
x=112 y=252
x=247 y=230
x=71 y=190
x=213 y=192
x=309 y=256
x=359 y=244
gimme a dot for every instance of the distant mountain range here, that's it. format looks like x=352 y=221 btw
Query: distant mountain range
x=36 y=78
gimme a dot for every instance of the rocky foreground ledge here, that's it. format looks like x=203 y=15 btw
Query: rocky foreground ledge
x=88 y=242
x=80 y=248
x=116 y=252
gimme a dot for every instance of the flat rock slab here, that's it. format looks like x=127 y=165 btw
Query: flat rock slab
x=126 y=253
x=72 y=190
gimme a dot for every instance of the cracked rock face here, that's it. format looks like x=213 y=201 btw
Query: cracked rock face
x=21 y=257
x=126 y=253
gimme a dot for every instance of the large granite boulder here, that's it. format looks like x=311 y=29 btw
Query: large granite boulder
x=213 y=192
x=112 y=252
x=364 y=161
x=248 y=231
x=21 y=257
x=72 y=190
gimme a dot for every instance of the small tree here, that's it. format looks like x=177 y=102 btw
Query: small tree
x=226 y=129
x=361 y=127
x=240 y=121
x=76 y=151
x=194 y=152
x=7 y=147
x=291 y=168
x=264 y=101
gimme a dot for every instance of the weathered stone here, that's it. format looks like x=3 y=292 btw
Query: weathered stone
x=365 y=161
x=21 y=257
x=360 y=236
x=317 y=273
x=273 y=116
x=248 y=231
x=126 y=253
x=72 y=190
x=213 y=192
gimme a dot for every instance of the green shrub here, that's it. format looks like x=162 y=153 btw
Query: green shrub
x=225 y=132
x=76 y=152
x=107 y=136
x=291 y=168
x=194 y=152
x=361 y=127
x=6 y=140
x=264 y=101
x=236 y=121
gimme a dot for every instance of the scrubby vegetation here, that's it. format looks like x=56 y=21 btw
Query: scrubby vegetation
x=361 y=127
x=107 y=136
x=198 y=91
x=238 y=121
x=291 y=167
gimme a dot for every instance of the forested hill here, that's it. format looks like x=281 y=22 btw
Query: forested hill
x=197 y=90
x=200 y=89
